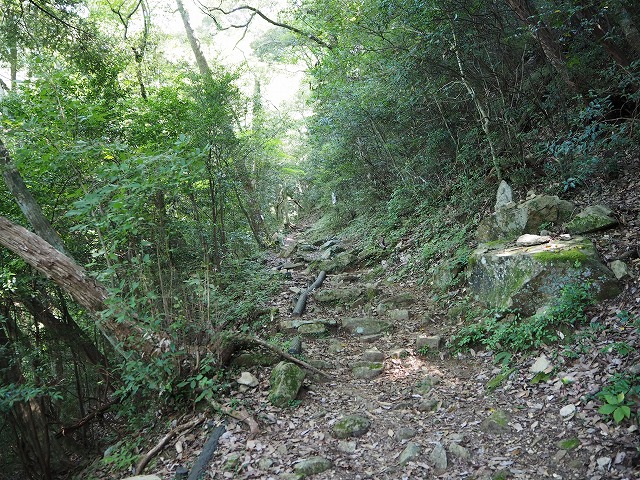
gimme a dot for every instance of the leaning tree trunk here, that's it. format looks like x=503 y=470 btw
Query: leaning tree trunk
x=74 y=280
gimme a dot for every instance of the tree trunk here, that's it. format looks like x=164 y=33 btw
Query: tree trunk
x=629 y=29
x=552 y=52
x=26 y=202
x=203 y=66
x=73 y=279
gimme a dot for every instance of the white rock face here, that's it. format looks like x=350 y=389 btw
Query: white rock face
x=528 y=240
x=247 y=379
x=504 y=196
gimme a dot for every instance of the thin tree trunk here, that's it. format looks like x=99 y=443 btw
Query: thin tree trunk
x=30 y=208
x=528 y=16
x=201 y=61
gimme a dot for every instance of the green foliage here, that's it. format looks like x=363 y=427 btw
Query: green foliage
x=504 y=331
x=616 y=406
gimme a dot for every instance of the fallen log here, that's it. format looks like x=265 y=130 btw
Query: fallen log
x=204 y=459
x=66 y=430
x=302 y=300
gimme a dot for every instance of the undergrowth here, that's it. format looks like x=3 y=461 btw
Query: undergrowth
x=508 y=331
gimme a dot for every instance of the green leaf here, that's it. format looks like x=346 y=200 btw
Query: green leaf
x=618 y=415
x=607 y=409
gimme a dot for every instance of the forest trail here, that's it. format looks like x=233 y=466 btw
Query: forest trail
x=430 y=413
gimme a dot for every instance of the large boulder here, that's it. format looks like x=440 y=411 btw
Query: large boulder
x=526 y=278
x=286 y=379
x=511 y=220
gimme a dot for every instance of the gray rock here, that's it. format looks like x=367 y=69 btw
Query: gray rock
x=338 y=296
x=336 y=346
x=513 y=220
x=592 y=219
x=367 y=370
x=528 y=277
x=293 y=325
x=398 y=315
x=504 y=196
x=402 y=300
x=341 y=262
x=247 y=379
x=143 y=477
x=459 y=451
x=320 y=364
x=497 y=422
x=433 y=342
x=410 y=452
x=286 y=379
x=346 y=446
x=312 y=329
x=399 y=353
x=291 y=476
x=370 y=338
x=292 y=265
x=428 y=405
x=619 y=269
x=438 y=457
x=373 y=355
x=405 y=433
x=365 y=326
x=295 y=346
x=265 y=463
x=313 y=465
x=351 y=426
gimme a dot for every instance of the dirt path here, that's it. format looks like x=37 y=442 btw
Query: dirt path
x=435 y=405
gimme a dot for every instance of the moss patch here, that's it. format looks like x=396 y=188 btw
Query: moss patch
x=570 y=255
x=569 y=444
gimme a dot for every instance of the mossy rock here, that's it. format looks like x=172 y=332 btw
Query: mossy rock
x=286 y=380
x=256 y=359
x=497 y=422
x=525 y=278
x=592 y=219
x=313 y=466
x=367 y=370
x=313 y=330
x=338 y=296
x=351 y=426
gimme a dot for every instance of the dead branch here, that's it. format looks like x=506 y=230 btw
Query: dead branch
x=86 y=419
x=239 y=414
x=161 y=444
x=285 y=355
x=210 y=11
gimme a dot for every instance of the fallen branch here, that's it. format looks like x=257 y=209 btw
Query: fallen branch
x=239 y=414
x=283 y=354
x=86 y=419
x=202 y=462
x=302 y=300
x=161 y=444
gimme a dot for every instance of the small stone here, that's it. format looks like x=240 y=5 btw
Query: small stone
x=604 y=463
x=497 y=422
x=367 y=370
x=313 y=465
x=560 y=454
x=373 y=355
x=528 y=240
x=370 y=338
x=568 y=410
x=459 y=451
x=295 y=346
x=351 y=426
x=399 y=353
x=247 y=379
x=433 y=342
x=438 y=457
x=291 y=476
x=346 y=446
x=540 y=365
x=265 y=463
x=427 y=405
x=405 y=433
x=411 y=451
x=619 y=269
